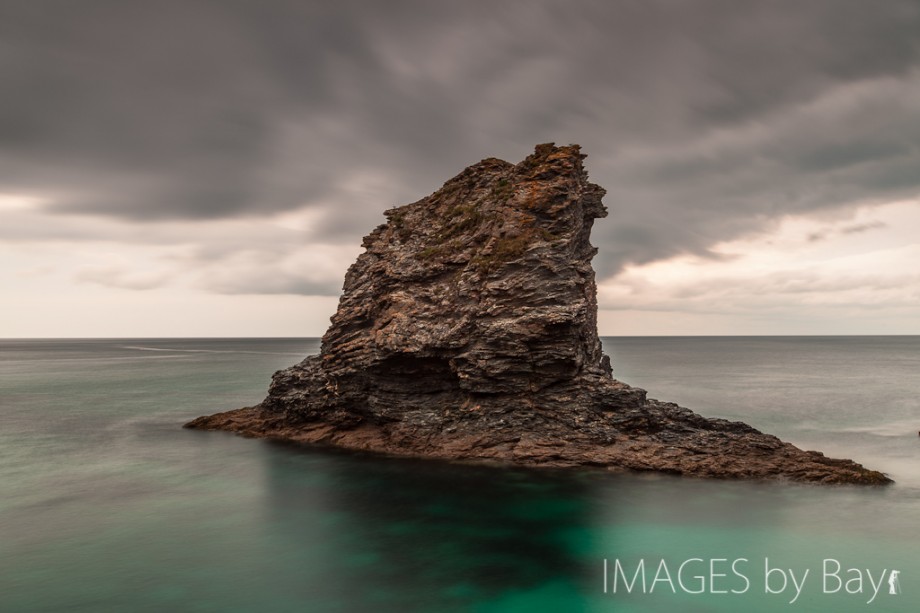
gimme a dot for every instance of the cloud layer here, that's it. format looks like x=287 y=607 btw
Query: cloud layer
x=179 y=124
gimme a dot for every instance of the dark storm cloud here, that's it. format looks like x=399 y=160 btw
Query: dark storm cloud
x=704 y=120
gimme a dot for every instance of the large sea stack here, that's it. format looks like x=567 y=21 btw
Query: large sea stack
x=467 y=330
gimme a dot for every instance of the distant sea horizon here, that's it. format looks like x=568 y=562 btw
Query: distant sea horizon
x=103 y=338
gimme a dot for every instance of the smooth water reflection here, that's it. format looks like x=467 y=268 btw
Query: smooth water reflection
x=405 y=535
x=410 y=535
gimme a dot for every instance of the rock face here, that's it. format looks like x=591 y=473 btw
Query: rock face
x=467 y=330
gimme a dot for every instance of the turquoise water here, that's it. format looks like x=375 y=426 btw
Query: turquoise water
x=108 y=505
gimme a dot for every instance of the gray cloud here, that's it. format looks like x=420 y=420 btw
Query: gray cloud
x=863 y=227
x=854 y=229
x=122 y=278
x=283 y=283
x=704 y=120
x=792 y=289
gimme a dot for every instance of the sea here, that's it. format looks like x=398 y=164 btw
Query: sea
x=108 y=504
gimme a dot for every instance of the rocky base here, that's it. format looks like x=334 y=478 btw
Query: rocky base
x=650 y=436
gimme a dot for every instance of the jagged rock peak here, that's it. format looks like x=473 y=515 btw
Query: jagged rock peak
x=488 y=281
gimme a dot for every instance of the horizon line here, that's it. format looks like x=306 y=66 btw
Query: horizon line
x=125 y=338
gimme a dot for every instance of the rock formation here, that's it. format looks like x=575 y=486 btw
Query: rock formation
x=467 y=330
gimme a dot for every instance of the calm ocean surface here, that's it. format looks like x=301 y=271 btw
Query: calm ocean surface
x=107 y=504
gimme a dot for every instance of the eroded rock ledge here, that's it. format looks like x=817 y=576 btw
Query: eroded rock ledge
x=467 y=330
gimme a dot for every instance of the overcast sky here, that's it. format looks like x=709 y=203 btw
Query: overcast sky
x=208 y=168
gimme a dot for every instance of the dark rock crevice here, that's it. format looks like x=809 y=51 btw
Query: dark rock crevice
x=467 y=330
